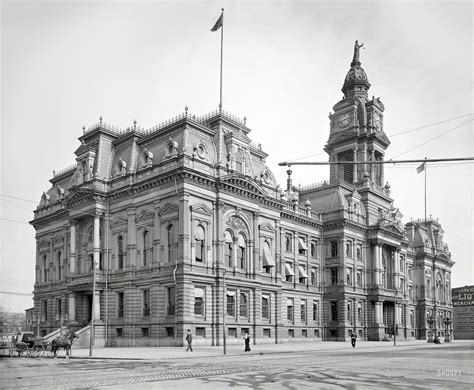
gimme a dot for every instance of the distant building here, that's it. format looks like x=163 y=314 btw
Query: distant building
x=184 y=223
x=29 y=319
x=463 y=312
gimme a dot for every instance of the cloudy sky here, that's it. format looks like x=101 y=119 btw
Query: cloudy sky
x=65 y=63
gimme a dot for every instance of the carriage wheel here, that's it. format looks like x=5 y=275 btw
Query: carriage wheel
x=38 y=350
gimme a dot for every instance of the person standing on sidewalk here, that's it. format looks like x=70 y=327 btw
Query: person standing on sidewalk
x=353 y=339
x=189 y=340
x=247 y=342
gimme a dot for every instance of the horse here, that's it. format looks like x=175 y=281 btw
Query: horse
x=63 y=342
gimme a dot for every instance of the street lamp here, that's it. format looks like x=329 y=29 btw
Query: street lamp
x=447 y=338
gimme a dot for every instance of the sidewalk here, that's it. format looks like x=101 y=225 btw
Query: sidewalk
x=160 y=353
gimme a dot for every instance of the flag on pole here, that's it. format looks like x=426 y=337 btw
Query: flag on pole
x=421 y=168
x=219 y=23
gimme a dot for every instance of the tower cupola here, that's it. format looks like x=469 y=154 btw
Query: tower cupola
x=356 y=82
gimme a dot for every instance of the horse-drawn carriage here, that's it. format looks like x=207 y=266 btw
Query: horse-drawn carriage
x=28 y=345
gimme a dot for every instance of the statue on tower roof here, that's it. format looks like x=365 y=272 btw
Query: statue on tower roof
x=356 y=51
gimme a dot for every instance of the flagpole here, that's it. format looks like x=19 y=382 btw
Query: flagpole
x=222 y=50
x=425 y=186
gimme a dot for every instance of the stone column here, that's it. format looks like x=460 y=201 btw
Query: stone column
x=382 y=177
x=372 y=166
x=183 y=228
x=96 y=241
x=72 y=248
x=354 y=171
x=50 y=259
x=156 y=232
x=378 y=264
x=378 y=312
x=396 y=268
x=64 y=256
x=131 y=237
x=256 y=266
x=72 y=307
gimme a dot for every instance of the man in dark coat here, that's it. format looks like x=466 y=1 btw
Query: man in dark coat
x=189 y=340
x=247 y=342
x=353 y=339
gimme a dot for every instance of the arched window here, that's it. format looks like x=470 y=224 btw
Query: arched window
x=228 y=245
x=120 y=252
x=145 y=247
x=428 y=288
x=171 y=243
x=239 y=162
x=241 y=252
x=200 y=243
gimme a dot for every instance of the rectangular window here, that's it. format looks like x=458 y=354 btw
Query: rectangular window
x=243 y=304
x=171 y=299
x=316 y=333
x=359 y=313
x=349 y=277
x=303 y=276
x=120 y=304
x=359 y=252
x=359 y=279
x=145 y=332
x=266 y=332
x=146 y=303
x=313 y=277
x=118 y=332
x=288 y=246
x=201 y=332
x=302 y=248
x=333 y=311
x=304 y=333
x=334 y=249
x=169 y=331
x=198 y=306
x=58 y=307
x=303 y=311
x=334 y=278
x=349 y=249
x=315 y=312
x=349 y=311
x=231 y=303
x=289 y=273
x=412 y=319
x=199 y=301
x=291 y=333
x=265 y=308
x=289 y=309
x=232 y=332
x=313 y=249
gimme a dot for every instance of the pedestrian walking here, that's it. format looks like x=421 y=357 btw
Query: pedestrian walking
x=247 y=342
x=353 y=339
x=189 y=340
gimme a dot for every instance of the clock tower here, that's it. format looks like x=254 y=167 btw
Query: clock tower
x=356 y=130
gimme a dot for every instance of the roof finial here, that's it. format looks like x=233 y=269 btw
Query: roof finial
x=83 y=129
x=357 y=47
x=186 y=110
x=134 y=124
x=100 y=119
x=245 y=120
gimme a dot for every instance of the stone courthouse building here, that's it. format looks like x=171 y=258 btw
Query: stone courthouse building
x=185 y=224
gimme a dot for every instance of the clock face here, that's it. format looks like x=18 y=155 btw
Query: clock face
x=377 y=121
x=344 y=120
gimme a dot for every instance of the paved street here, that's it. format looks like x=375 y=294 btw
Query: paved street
x=286 y=366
